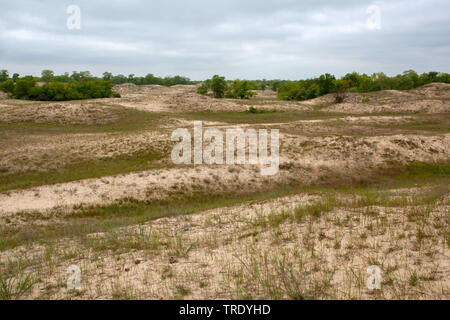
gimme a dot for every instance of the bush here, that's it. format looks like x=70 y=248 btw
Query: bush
x=290 y=91
x=313 y=91
x=7 y=86
x=240 y=89
x=255 y=110
x=203 y=89
x=22 y=88
x=342 y=86
x=365 y=100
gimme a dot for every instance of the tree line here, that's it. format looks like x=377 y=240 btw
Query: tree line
x=49 y=89
x=75 y=86
x=83 y=85
x=355 y=82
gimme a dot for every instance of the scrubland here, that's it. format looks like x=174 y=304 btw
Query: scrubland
x=91 y=183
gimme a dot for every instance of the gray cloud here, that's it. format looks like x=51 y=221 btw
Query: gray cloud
x=240 y=39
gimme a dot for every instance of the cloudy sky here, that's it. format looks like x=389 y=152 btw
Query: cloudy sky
x=250 y=39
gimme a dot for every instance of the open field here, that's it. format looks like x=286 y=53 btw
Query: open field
x=91 y=183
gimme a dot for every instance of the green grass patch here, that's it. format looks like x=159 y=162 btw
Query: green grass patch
x=104 y=218
x=126 y=120
x=95 y=168
x=261 y=110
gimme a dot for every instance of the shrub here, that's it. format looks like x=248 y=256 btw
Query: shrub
x=365 y=100
x=240 y=89
x=290 y=91
x=7 y=86
x=203 y=89
x=313 y=91
x=255 y=110
x=22 y=88
x=342 y=86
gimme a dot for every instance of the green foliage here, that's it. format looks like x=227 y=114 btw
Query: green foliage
x=204 y=88
x=326 y=83
x=355 y=82
x=7 y=86
x=255 y=110
x=4 y=75
x=290 y=91
x=47 y=75
x=26 y=88
x=312 y=92
x=15 y=287
x=365 y=100
x=218 y=86
x=148 y=79
x=341 y=88
x=107 y=76
x=240 y=89
x=22 y=87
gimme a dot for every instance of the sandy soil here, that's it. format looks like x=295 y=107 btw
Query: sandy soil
x=410 y=242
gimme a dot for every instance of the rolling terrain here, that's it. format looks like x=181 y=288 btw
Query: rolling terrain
x=91 y=183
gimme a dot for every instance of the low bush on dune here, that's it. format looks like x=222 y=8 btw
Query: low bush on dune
x=255 y=110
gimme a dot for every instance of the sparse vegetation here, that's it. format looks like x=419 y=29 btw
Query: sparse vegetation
x=91 y=183
x=14 y=287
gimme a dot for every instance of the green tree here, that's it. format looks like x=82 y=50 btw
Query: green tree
x=218 y=86
x=342 y=86
x=107 y=76
x=353 y=79
x=326 y=83
x=7 y=86
x=23 y=87
x=313 y=91
x=47 y=75
x=4 y=75
x=291 y=90
x=240 y=89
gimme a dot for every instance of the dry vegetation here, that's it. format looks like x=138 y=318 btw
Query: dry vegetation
x=91 y=183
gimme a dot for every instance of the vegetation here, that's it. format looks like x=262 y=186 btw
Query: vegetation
x=62 y=87
x=256 y=110
x=15 y=287
x=27 y=88
x=218 y=86
x=237 y=89
x=327 y=83
x=148 y=79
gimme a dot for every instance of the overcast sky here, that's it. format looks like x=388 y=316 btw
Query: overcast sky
x=247 y=39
